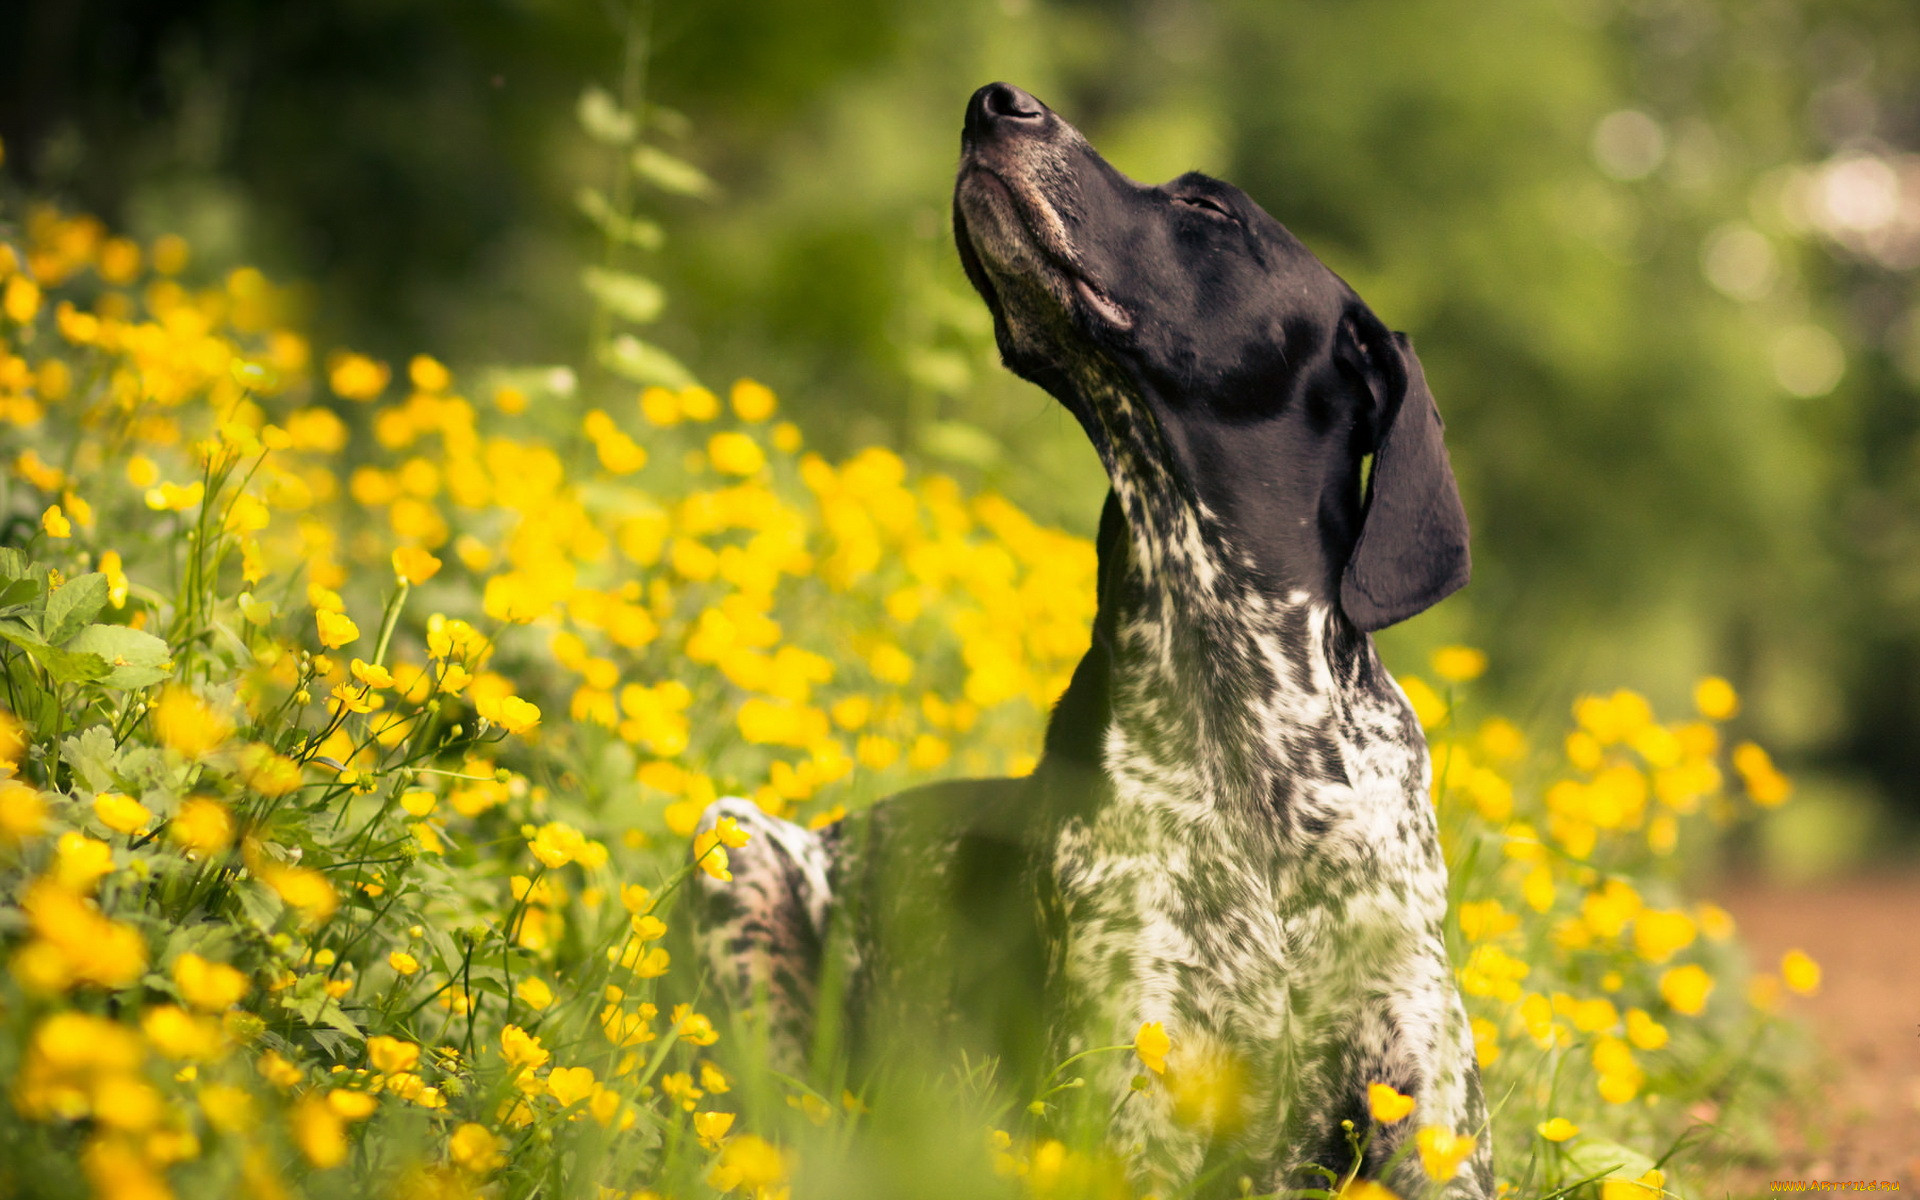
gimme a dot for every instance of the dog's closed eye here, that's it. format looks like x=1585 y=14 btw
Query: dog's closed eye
x=1206 y=204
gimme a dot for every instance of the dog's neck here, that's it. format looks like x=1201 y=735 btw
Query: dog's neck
x=1210 y=669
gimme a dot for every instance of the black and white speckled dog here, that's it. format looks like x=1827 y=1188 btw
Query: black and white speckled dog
x=1229 y=831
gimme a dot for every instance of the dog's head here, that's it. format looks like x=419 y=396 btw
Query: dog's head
x=1265 y=380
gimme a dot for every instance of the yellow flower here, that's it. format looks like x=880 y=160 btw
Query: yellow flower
x=693 y=1027
x=209 y=986
x=556 y=844
x=1427 y=704
x=748 y=1162
x=1715 y=699
x=476 y=1151
x=570 y=1085
x=1801 y=973
x=509 y=712
x=1386 y=1104
x=336 y=628
x=1658 y=935
x=1645 y=1032
x=712 y=1127
x=535 y=993
x=277 y=1070
x=414 y=565
x=429 y=374
x=302 y=889
x=712 y=856
x=734 y=453
x=1559 y=1129
x=122 y=813
x=1648 y=1187
x=1459 y=664
x=80 y=861
x=402 y=962
x=55 y=523
x=176 y=1033
x=23 y=814
x=1442 y=1151
x=1152 y=1045
x=357 y=377
x=186 y=723
x=391 y=1056
x=351 y=1105
x=731 y=835
x=522 y=1049
x=1686 y=988
x=20 y=300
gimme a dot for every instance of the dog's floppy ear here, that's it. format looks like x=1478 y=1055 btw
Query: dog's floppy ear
x=1412 y=549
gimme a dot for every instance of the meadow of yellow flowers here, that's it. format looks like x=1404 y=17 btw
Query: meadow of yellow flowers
x=357 y=719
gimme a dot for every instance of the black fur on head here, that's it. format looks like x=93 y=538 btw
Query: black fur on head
x=1265 y=379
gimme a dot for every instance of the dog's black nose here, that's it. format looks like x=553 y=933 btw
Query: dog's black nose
x=999 y=107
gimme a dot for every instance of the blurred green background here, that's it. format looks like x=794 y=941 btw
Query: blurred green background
x=1658 y=257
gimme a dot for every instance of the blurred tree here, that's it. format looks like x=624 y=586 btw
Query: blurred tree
x=1657 y=255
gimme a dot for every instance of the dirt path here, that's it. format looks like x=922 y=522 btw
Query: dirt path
x=1865 y=934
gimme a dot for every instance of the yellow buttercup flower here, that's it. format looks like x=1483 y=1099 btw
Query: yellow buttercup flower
x=475 y=1150
x=303 y=889
x=1152 y=1045
x=1800 y=972
x=188 y=724
x=1558 y=1129
x=1459 y=664
x=336 y=628
x=122 y=813
x=522 y=1049
x=23 y=814
x=712 y=1128
x=1442 y=1151
x=403 y=963
x=712 y=856
x=391 y=1056
x=535 y=993
x=1388 y=1105
x=570 y=1085
x=731 y=835
x=1647 y=1187
x=1686 y=988
x=209 y=986
x=509 y=712
x=1715 y=699
x=203 y=826
x=55 y=524
x=414 y=565
x=357 y=377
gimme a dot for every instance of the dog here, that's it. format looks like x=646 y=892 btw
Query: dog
x=1229 y=831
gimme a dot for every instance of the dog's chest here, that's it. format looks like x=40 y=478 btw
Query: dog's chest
x=1249 y=860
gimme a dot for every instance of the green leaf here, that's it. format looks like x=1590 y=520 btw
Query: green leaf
x=71 y=605
x=603 y=118
x=13 y=563
x=629 y=297
x=135 y=658
x=634 y=231
x=1595 y=1157
x=633 y=359
x=91 y=754
x=64 y=665
x=18 y=591
x=670 y=174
